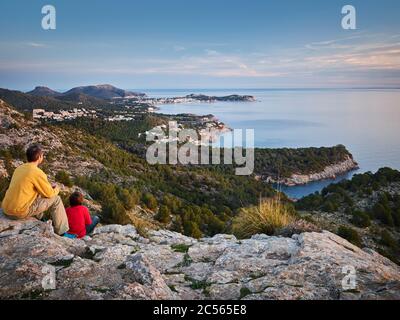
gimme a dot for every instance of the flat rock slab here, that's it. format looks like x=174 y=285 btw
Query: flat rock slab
x=117 y=263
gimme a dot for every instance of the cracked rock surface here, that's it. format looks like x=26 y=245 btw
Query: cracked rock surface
x=117 y=263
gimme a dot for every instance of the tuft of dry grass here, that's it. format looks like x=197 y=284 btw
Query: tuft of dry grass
x=269 y=216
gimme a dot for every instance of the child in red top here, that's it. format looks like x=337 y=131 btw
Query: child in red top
x=80 y=222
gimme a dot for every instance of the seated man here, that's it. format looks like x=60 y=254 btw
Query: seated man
x=30 y=194
x=79 y=219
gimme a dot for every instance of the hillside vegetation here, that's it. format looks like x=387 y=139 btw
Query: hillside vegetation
x=193 y=200
x=284 y=162
x=367 y=206
x=275 y=163
x=106 y=161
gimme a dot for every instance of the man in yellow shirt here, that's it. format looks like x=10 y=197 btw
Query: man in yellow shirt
x=30 y=194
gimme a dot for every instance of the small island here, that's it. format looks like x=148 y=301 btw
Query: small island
x=190 y=98
x=230 y=98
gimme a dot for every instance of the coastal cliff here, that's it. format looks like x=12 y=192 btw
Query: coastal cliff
x=118 y=263
x=329 y=172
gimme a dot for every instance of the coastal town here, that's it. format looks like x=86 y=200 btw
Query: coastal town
x=207 y=127
x=133 y=107
x=63 y=115
x=72 y=114
x=127 y=108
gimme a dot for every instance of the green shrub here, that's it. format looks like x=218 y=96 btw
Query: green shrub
x=329 y=206
x=396 y=215
x=350 y=235
x=65 y=198
x=215 y=225
x=360 y=219
x=18 y=152
x=244 y=292
x=310 y=202
x=164 y=214
x=129 y=198
x=184 y=248
x=150 y=201
x=64 y=178
x=389 y=254
x=114 y=212
x=383 y=214
x=192 y=229
x=388 y=240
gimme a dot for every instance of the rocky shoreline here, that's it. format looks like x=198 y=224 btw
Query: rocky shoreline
x=330 y=172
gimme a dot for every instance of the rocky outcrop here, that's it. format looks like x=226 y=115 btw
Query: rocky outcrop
x=329 y=172
x=9 y=117
x=17 y=131
x=118 y=263
x=36 y=263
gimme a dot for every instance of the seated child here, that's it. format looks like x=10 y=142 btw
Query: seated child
x=80 y=222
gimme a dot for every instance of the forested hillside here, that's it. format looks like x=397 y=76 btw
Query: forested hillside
x=193 y=200
x=365 y=210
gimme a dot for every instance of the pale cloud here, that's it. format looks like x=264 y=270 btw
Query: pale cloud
x=210 y=52
x=36 y=45
x=341 y=43
x=179 y=48
x=337 y=60
x=15 y=45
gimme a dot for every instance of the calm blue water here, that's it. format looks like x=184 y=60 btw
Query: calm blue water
x=366 y=121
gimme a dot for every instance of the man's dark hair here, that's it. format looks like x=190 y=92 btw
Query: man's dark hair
x=34 y=152
x=76 y=199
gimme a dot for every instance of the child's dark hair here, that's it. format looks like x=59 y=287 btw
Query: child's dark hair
x=76 y=199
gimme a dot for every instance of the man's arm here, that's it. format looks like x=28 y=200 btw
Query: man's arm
x=44 y=187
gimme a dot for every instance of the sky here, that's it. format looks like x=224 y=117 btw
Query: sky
x=200 y=44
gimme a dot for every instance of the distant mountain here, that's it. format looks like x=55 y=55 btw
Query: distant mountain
x=44 y=92
x=85 y=99
x=43 y=97
x=27 y=102
x=105 y=91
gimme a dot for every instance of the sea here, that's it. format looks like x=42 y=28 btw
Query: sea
x=366 y=121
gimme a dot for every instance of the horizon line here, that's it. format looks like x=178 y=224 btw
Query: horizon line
x=230 y=89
